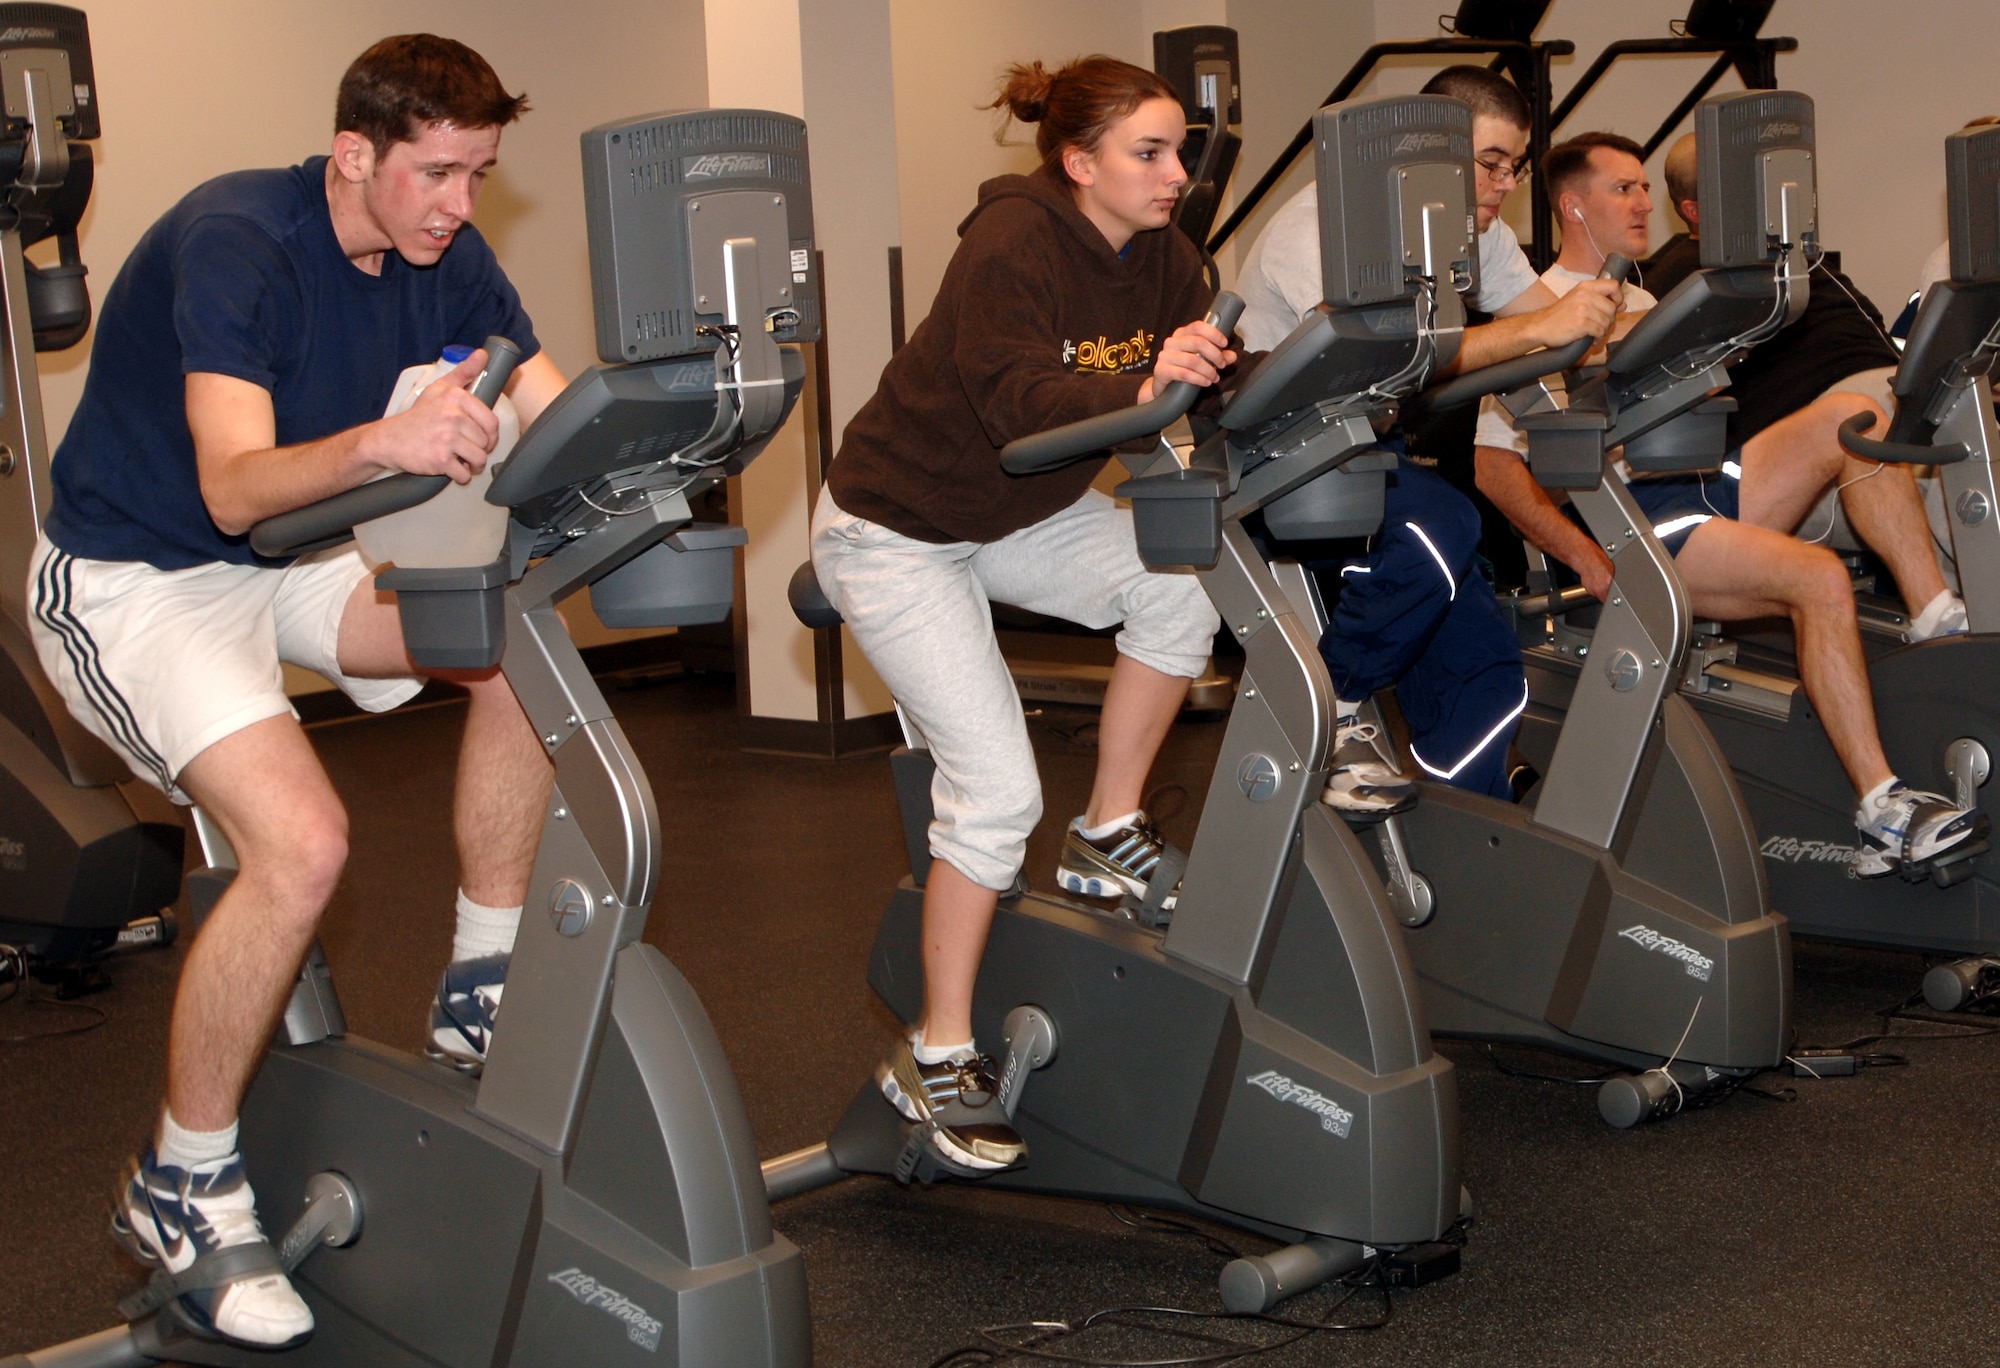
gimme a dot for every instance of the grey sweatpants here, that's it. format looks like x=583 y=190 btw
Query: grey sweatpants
x=919 y=611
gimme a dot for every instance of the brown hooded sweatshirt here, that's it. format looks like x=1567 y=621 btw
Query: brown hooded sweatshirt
x=1038 y=323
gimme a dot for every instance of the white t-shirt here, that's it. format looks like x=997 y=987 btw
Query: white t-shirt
x=1496 y=429
x=1280 y=281
x=1937 y=266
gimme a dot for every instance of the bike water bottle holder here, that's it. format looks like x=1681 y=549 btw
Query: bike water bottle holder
x=1566 y=448
x=1177 y=516
x=687 y=580
x=1696 y=439
x=453 y=618
x=1344 y=502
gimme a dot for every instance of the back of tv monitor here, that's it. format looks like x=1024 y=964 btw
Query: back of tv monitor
x=1755 y=176
x=1972 y=203
x=1384 y=166
x=662 y=194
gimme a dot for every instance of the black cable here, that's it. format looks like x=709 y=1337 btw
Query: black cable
x=14 y=975
x=1002 y=1343
x=1146 y=1220
x=1515 y=1071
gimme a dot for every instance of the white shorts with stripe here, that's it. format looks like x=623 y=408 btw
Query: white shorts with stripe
x=162 y=664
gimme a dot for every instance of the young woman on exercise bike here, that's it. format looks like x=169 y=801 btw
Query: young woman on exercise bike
x=1068 y=296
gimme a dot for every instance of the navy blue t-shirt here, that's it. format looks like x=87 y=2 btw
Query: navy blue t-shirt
x=244 y=277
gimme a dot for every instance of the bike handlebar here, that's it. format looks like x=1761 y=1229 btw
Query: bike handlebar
x=1072 y=442
x=328 y=521
x=1895 y=453
x=1521 y=370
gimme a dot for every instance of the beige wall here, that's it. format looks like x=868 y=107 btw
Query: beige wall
x=948 y=58
x=192 y=90
x=1293 y=52
x=189 y=91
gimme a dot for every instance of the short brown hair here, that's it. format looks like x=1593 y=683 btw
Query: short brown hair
x=1569 y=160
x=1076 y=105
x=1488 y=92
x=405 y=84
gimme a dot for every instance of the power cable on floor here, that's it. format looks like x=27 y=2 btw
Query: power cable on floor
x=1041 y=1340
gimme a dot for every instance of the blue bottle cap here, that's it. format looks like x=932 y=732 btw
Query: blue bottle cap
x=457 y=352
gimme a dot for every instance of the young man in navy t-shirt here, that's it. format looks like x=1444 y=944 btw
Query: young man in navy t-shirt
x=242 y=359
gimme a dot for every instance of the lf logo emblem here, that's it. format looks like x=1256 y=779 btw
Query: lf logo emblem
x=1257 y=776
x=569 y=908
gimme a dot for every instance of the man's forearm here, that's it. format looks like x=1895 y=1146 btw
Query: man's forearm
x=1488 y=344
x=251 y=486
x=1504 y=478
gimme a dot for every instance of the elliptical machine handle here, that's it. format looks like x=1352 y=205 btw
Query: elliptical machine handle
x=1522 y=370
x=330 y=521
x=1072 y=442
x=1895 y=453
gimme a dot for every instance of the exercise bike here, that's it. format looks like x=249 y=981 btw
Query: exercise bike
x=594 y=1196
x=1260 y=1057
x=90 y=858
x=1619 y=912
x=1937 y=713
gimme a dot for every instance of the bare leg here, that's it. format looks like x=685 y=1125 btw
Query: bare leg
x=957 y=915
x=1139 y=707
x=502 y=795
x=1734 y=571
x=1790 y=464
x=504 y=775
x=265 y=787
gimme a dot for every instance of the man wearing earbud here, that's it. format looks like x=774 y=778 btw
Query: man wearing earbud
x=1730 y=535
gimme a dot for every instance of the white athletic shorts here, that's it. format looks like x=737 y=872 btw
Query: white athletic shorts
x=162 y=664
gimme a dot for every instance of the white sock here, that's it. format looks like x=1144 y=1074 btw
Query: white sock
x=1872 y=801
x=483 y=930
x=182 y=1148
x=1103 y=829
x=1925 y=625
x=1342 y=708
x=938 y=1054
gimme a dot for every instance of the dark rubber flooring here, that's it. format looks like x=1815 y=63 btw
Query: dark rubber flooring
x=1845 y=1226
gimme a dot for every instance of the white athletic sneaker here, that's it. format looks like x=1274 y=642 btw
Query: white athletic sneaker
x=961 y=1099
x=1950 y=620
x=173 y=1217
x=1363 y=782
x=1910 y=826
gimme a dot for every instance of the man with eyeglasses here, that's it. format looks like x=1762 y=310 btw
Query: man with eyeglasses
x=1415 y=613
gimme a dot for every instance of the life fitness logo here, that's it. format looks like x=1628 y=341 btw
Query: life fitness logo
x=1105 y=357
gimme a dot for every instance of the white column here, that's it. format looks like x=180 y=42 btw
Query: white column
x=827 y=61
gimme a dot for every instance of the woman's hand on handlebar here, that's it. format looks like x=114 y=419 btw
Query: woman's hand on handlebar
x=445 y=432
x=1197 y=353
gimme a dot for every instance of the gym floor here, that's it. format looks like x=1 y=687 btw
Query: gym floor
x=1844 y=1224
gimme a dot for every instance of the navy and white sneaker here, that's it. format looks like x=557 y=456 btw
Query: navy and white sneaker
x=463 y=1013
x=1363 y=784
x=1914 y=828
x=1120 y=864
x=171 y=1217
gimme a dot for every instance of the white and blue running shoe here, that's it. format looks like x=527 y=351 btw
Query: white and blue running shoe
x=463 y=1013
x=1911 y=830
x=199 y=1226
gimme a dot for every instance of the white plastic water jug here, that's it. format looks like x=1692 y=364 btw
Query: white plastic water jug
x=455 y=526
